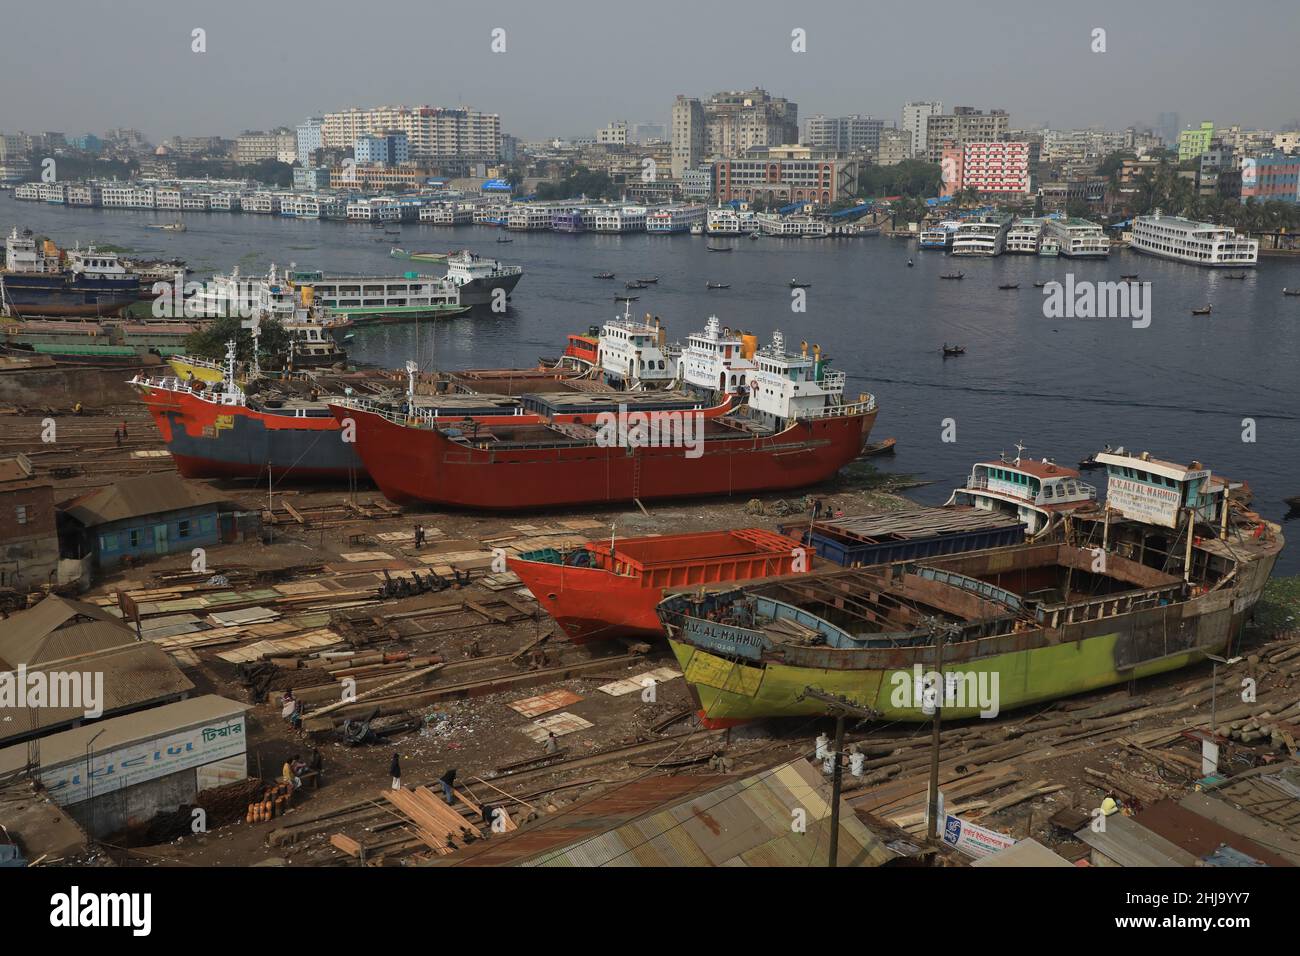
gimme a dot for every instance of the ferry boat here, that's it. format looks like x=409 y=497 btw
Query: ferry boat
x=671 y=219
x=1164 y=577
x=634 y=355
x=774 y=224
x=1036 y=492
x=984 y=237
x=717 y=361
x=1197 y=243
x=795 y=430
x=1048 y=246
x=476 y=278
x=940 y=236
x=729 y=221
x=39 y=280
x=1079 y=238
x=607 y=589
x=1023 y=237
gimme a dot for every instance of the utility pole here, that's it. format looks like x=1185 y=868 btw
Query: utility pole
x=940 y=633
x=841 y=707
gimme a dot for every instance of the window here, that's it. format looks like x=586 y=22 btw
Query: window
x=134 y=538
x=183 y=529
x=20 y=514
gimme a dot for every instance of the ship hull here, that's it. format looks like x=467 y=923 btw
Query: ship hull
x=594 y=603
x=207 y=440
x=1029 y=670
x=39 y=294
x=480 y=291
x=410 y=464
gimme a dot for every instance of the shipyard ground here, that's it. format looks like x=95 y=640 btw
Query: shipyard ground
x=1025 y=773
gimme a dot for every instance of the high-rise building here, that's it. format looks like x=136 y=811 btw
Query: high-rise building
x=615 y=134
x=1194 y=140
x=688 y=134
x=895 y=146
x=386 y=149
x=646 y=132
x=963 y=125
x=996 y=168
x=255 y=146
x=736 y=121
x=309 y=139
x=844 y=133
x=915 y=116
x=434 y=134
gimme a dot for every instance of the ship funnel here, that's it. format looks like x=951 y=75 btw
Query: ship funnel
x=817 y=352
x=1196 y=466
x=749 y=344
x=803 y=348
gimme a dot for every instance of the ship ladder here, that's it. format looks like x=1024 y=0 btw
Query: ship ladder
x=636 y=481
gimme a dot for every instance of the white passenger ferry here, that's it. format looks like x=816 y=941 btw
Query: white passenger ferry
x=1197 y=243
x=783 y=387
x=940 y=236
x=1023 y=237
x=717 y=361
x=1037 y=492
x=985 y=237
x=1079 y=238
x=674 y=219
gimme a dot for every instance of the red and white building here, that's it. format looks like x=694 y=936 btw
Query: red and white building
x=996 y=168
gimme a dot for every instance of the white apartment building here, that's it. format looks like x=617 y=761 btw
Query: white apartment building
x=915 y=116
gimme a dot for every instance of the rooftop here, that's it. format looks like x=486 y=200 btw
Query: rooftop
x=58 y=628
x=138 y=497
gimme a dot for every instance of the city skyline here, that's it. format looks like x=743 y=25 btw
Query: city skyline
x=263 y=68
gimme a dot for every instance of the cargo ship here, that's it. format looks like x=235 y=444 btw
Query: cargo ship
x=608 y=589
x=1163 y=576
x=40 y=281
x=793 y=430
x=478 y=278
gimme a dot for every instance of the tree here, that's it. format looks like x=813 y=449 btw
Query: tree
x=580 y=182
x=911 y=177
x=210 y=341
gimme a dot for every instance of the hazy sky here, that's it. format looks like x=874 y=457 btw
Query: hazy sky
x=573 y=65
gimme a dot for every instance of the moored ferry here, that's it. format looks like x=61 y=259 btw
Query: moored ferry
x=984 y=237
x=40 y=280
x=1078 y=238
x=940 y=236
x=1023 y=237
x=1196 y=243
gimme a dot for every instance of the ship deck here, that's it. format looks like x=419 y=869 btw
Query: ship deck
x=666 y=429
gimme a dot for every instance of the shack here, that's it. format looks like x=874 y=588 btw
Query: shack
x=29 y=542
x=152 y=515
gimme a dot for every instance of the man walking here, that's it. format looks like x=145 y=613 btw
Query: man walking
x=395 y=771
x=447 y=780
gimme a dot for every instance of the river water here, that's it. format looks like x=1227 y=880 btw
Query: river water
x=1180 y=388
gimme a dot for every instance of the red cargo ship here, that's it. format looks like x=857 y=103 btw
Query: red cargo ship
x=794 y=431
x=610 y=589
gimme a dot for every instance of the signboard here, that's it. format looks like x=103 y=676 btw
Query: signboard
x=1143 y=502
x=144 y=760
x=974 y=840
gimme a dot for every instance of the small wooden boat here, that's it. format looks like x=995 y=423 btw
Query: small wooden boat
x=753 y=236
x=1040 y=285
x=603 y=275
x=885 y=447
x=1286 y=291
x=953 y=350
x=1010 y=285
x=626 y=298
x=719 y=248
x=910 y=263
x=1293 y=503
x=1130 y=278
x=504 y=239
x=1205 y=311
x=1235 y=275
x=649 y=281
x=796 y=284
x=634 y=285
x=717 y=285
x=953 y=275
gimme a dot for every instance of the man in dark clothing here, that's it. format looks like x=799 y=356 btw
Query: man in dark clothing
x=395 y=771
x=117 y=437
x=447 y=780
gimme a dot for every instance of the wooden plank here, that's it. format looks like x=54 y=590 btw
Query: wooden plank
x=348 y=845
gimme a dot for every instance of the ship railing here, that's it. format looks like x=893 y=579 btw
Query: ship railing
x=839 y=411
x=1056 y=615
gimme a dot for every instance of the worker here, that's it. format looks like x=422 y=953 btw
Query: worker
x=419 y=537
x=395 y=771
x=316 y=763
x=552 y=743
x=299 y=767
x=117 y=437
x=124 y=433
x=447 y=780
x=288 y=774
x=288 y=704
x=76 y=409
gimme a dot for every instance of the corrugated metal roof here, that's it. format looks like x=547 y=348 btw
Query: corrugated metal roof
x=702 y=820
x=72 y=744
x=1129 y=843
x=140 y=497
x=58 y=628
x=134 y=675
